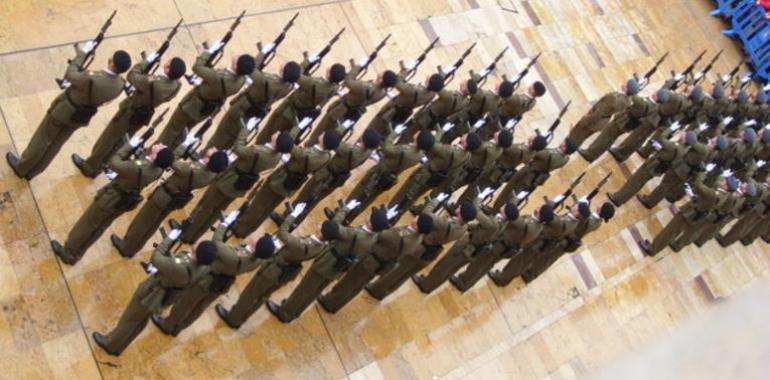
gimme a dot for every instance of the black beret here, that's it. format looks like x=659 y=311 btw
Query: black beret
x=539 y=88
x=742 y=97
x=337 y=73
x=165 y=158
x=761 y=98
x=751 y=189
x=632 y=87
x=122 y=61
x=264 y=247
x=504 y=138
x=176 y=68
x=389 y=78
x=218 y=162
x=539 y=143
x=245 y=65
x=697 y=93
x=545 y=214
x=379 y=220
x=750 y=136
x=371 y=138
x=766 y=136
x=424 y=224
x=472 y=141
x=607 y=211
x=330 y=230
x=506 y=89
x=331 y=139
x=472 y=86
x=571 y=145
x=722 y=142
x=663 y=96
x=206 y=252
x=467 y=211
x=425 y=140
x=584 y=210
x=436 y=83
x=691 y=138
x=285 y=142
x=732 y=183
x=511 y=211
x=718 y=92
x=291 y=72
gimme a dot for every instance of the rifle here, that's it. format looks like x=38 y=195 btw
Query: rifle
x=729 y=76
x=304 y=126
x=192 y=148
x=217 y=55
x=646 y=78
x=490 y=67
x=269 y=50
x=146 y=135
x=368 y=60
x=347 y=126
x=687 y=71
x=520 y=76
x=559 y=201
x=555 y=124
x=598 y=187
x=412 y=68
x=315 y=61
x=153 y=65
x=702 y=74
x=90 y=55
x=450 y=74
x=241 y=210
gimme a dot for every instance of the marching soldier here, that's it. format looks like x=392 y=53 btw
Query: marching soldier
x=745 y=195
x=284 y=181
x=168 y=276
x=307 y=100
x=332 y=176
x=173 y=194
x=537 y=170
x=251 y=161
x=207 y=98
x=280 y=269
x=482 y=104
x=445 y=230
x=71 y=110
x=134 y=112
x=518 y=232
x=751 y=215
x=482 y=161
x=255 y=101
x=513 y=108
x=671 y=114
x=601 y=112
x=410 y=96
x=121 y=195
x=649 y=124
x=440 y=110
x=353 y=104
x=352 y=244
x=216 y=280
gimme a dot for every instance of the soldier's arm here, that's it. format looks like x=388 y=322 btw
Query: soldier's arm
x=137 y=78
x=219 y=233
x=77 y=78
x=285 y=235
x=258 y=59
x=206 y=73
x=121 y=166
x=355 y=69
x=161 y=257
x=240 y=147
x=475 y=76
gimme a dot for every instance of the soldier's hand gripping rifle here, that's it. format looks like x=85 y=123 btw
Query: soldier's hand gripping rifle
x=559 y=201
x=371 y=57
x=137 y=145
x=727 y=78
x=217 y=50
x=153 y=60
x=270 y=49
x=408 y=71
x=701 y=75
x=549 y=133
x=588 y=198
x=678 y=78
x=315 y=59
x=645 y=80
x=450 y=73
x=193 y=140
x=523 y=73
x=236 y=215
x=483 y=74
x=89 y=58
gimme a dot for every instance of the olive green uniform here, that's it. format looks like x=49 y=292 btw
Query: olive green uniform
x=150 y=91
x=71 y=110
x=599 y=116
x=480 y=104
x=510 y=108
x=623 y=121
x=441 y=109
x=657 y=164
x=537 y=171
x=671 y=186
x=753 y=213
x=722 y=215
x=647 y=126
x=503 y=168
x=675 y=110
x=399 y=109
x=205 y=100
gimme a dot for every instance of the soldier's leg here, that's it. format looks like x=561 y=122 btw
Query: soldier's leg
x=668 y=234
x=131 y=323
x=335 y=113
x=602 y=142
x=109 y=142
x=352 y=283
x=515 y=184
x=478 y=268
x=670 y=181
x=408 y=193
x=45 y=143
x=450 y=263
x=277 y=121
x=310 y=287
x=203 y=303
x=173 y=132
x=314 y=191
x=632 y=186
x=739 y=230
x=253 y=296
x=632 y=142
x=689 y=233
x=145 y=223
x=227 y=131
x=392 y=280
x=646 y=150
x=516 y=266
x=205 y=214
x=183 y=308
x=710 y=232
x=87 y=230
x=265 y=201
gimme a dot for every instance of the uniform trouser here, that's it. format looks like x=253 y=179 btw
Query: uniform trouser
x=317 y=188
x=310 y=287
x=110 y=140
x=669 y=183
x=366 y=191
x=335 y=113
x=602 y=142
x=648 y=149
x=421 y=121
x=354 y=280
x=757 y=230
x=146 y=222
x=638 y=179
x=277 y=122
x=392 y=280
x=479 y=266
x=691 y=232
x=173 y=132
x=457 y=131
x=633 y=141
x=517 y=265
x=588 y=125
x=740 y=229
x=205 y=214
x=227 y=131
x=415 y=186
x=670 y=232
x=710 y=231
x=542 y=265
x=450 y=263
x=264 y=202
x=132 y=322
x=253 y=296
x=380 y=123
x=523 y=179
x=494 y=179
x=89 y=228
x=45 y=144
x=190 y=305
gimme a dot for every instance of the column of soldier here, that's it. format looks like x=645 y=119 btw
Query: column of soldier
x=457 y=139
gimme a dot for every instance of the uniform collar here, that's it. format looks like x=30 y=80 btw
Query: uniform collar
x=109 y=72
x=313 y=237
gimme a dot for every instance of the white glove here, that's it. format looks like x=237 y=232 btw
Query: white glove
x=675 y=125
x=135 y=141
x=277 y=242
x=110 y=174
x=521 y=195
x=252 y=123
x=196 y=80
x=298 y=209
x=698 y=75
x=189 y=139
x=656 y=145
x=725 y=78
x=442 y=197
x=746 y=78
x=218 y=45
x=486 y=192
x=266 y=49
x=511 y=123
x=352 y=204
x=348 y=123
x=678 y=76
x=479 y=123
x=484 y=72
x=285 y=157
x=375 y=156
x=400 y=129
x=313 y=58
x=447 y=127
x=703 y=126
x=411 y=65
x=750 y=123
x=151 y=269
x=726 y=173
x=761 y=163
x=727 y=120
x=766 y=88
x=150 y=58
x=230 y=218
x=710 y=166
x=87 y=47
x=448 y=70
x=175 y=233
x=424 y=159
x=516 y=78
x=305 y=122
x=688 y=189
x=391 y=212
x=363 y=62
x=558 y=199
